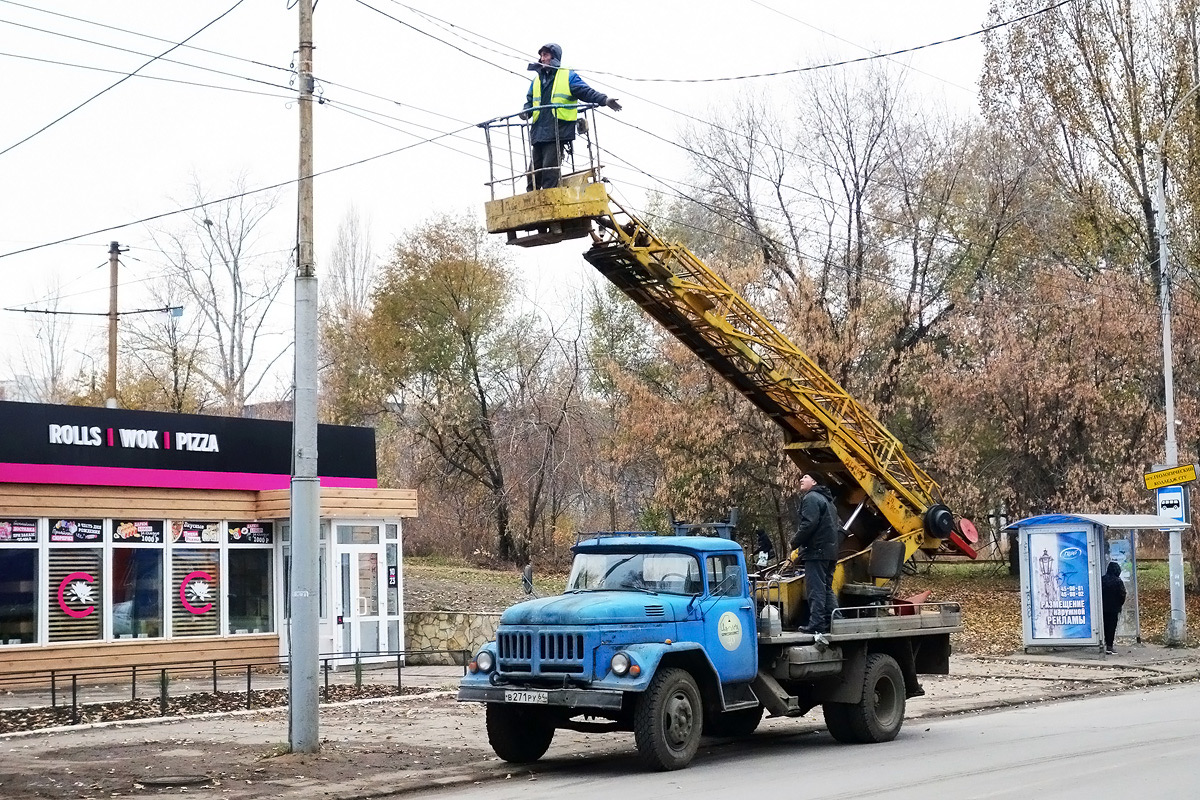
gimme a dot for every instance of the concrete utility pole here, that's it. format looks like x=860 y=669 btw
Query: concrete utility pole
x=110 y=388
x=303 y=650
x=1177 y=622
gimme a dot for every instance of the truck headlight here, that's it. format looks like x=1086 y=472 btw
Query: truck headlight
x=620 y=664
x=484 y=661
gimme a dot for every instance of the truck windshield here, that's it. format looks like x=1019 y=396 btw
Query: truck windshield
x=671 y=573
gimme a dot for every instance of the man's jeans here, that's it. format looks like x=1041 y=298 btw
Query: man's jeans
x=818 y=590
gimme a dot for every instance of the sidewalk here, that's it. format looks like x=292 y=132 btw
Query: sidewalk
x=385 y=747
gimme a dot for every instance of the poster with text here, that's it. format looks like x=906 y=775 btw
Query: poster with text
x=250 y=533
x=1060 y=585
x=194 y=532
x=147 y=531
x=18 y=530
x=77 y=530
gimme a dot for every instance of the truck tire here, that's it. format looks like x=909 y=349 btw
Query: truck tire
x=879 y=714
x=668 y=719
x=837 y=722
x=736 y=724
x=518 y=735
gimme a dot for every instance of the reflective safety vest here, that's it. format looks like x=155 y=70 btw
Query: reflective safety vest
x=560 y=95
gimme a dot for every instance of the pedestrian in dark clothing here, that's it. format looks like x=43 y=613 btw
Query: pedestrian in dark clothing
x=553 y=129
x=765 y=551
x=1112 y=596
x=817 y=539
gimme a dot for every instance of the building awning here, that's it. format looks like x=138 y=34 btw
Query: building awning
x=1124 y=522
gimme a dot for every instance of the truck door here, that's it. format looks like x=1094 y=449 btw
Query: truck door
x=730 y=635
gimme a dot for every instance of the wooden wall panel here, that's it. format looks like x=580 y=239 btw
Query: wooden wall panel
x=52 y=500
x=343 y=502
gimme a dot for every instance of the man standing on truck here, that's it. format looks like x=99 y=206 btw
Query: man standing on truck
x=816 y=541
x=553 y=129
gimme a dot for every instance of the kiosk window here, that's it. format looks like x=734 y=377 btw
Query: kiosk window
x=18 y=596
x=76 y=593
x=195 y=592
x=137 y=592
x=249 y=583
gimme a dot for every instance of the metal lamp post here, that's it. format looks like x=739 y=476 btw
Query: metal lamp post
x=1177 y=622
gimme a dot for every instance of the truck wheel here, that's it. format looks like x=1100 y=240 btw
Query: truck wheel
x=878 y=716
x=518 y=735
x=837 y=722
x=668 y=719
x=736 y=724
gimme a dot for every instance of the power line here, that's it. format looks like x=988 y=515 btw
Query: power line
x=179 y=81
x=144 y=36
x=831 y=35
x=278 y=185
x=118 y=83
x=796 y=70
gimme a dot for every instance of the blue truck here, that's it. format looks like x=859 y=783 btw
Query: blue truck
x=672 y=638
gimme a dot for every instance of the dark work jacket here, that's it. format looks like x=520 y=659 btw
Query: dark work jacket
x=1112 y=591
x=543 y=129
x=817 y=528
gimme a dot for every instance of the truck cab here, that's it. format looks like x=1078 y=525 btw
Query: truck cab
x=655 y=634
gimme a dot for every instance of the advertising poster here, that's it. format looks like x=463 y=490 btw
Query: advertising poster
x=18 y=530
x=147 y=531
x=194 y=532
x=77 y=530
x=250 y=533
x=1060 y=586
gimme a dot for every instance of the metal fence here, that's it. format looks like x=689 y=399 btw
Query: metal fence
x=70 y=689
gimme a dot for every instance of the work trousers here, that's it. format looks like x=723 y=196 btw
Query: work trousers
x=818 y=591
x=546 y=164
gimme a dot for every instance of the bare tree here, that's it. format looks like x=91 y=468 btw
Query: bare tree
x=42 y=363
x=232 y=286
x=164 y=354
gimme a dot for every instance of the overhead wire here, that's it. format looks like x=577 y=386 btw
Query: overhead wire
x=843 y=63
x=60 y=118
x=831 y=35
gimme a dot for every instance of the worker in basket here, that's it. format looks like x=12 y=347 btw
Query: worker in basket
x=553 y=130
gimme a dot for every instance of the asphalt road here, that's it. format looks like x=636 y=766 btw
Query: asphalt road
x=1139 y=744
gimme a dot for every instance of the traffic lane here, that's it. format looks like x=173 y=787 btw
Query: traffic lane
x=1137 y=744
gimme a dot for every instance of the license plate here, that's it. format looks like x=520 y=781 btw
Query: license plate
x=526 y=696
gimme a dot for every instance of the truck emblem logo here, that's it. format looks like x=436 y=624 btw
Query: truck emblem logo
x=729 y=630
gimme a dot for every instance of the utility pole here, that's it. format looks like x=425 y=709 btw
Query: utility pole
x=110 y=389
x=1177 y=622
x=303 y=651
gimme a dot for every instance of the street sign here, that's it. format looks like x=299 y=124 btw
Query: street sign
x=1173 y=503
x=1171 y=476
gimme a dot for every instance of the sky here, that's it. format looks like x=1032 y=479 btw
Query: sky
x=391 y=75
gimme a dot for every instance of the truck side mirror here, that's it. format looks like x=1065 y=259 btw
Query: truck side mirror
x=527 y=579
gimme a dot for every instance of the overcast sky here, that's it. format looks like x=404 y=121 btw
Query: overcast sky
x=393 y=73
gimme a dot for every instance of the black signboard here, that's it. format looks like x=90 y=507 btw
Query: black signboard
x=18 y=530
x=251 y=533
x=148 y=531
x=393 y=577
x=164 y=449
x=77 y=530
x=195 y=532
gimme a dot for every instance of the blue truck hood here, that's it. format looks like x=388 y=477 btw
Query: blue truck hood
x=597 y=608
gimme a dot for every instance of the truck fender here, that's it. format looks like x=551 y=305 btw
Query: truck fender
x=850 y=684
x=651 y=656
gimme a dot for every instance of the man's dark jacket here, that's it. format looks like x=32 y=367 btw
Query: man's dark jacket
x=1112 y=590
x=817 y=529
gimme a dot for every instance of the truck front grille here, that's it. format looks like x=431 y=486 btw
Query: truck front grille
x=540 y=653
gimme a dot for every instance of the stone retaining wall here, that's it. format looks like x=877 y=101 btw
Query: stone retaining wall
x=446 y=630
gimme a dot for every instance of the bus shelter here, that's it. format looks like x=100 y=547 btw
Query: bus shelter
x=1062 y=558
